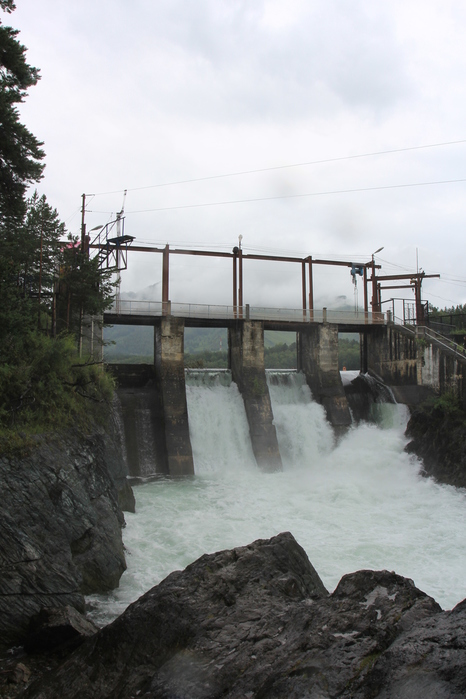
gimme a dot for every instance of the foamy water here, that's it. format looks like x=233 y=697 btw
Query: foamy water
x=357 y=504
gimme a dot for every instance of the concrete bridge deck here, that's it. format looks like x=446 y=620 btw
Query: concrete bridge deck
x=128 y=312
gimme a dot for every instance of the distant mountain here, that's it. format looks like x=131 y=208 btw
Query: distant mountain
x=138 y=341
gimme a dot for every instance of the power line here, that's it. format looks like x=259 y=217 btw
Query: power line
x=294 y=196
x=284 y=167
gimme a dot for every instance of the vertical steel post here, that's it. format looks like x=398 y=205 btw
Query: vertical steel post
x=83 y=225
x=417 y=295
x=374 y=289
x=366 y=301
x=235 y=285
x=165 y=279
x=303 y=276
x=311 y=290
x=240 y=290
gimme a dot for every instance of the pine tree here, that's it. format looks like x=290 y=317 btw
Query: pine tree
x=20 y=151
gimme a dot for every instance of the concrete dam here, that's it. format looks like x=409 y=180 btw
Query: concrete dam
x=153 y=397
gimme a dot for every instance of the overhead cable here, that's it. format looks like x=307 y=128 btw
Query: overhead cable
x=284 y=167
x=295 y=196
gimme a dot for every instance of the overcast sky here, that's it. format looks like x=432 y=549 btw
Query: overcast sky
x=138 y=95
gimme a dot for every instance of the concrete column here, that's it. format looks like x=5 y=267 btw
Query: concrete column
x=246 y=348
x=318 y=345
x=174 y=448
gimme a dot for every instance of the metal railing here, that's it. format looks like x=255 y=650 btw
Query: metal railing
x=125 y=307
x=445 y=342
x=423 y=332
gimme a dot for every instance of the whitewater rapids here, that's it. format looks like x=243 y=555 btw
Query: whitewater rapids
x=359 y=503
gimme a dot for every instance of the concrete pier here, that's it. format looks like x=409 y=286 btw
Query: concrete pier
x=246 y=350
x=318 y=360
x=173 y=443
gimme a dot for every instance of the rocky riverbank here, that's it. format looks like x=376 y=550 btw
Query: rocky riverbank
x=257 y=622
x=438 y=437
x=60 y=528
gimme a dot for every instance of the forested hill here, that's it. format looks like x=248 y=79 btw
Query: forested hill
x=208 y=347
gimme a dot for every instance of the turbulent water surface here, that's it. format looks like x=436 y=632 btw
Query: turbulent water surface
x=360 y=503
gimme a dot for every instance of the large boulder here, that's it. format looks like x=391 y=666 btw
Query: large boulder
x=60 y=530
x=257 y=622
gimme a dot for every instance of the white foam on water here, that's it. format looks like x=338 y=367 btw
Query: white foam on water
x=359 y=503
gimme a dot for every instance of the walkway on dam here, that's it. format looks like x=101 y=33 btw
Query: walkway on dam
x=130 y=312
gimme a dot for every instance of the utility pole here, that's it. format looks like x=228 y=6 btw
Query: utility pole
x=83 y=225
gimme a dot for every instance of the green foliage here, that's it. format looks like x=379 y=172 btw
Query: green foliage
x=20 y=152
x=206 y=360
x=7 y=5
x=449 y=404
x=205 y=339
x=44 y=385
x=280 y=356
x=349 y=354
x=84 y=288
x=453 y=310
x=28 y=265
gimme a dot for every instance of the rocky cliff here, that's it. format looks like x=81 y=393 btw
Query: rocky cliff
x=438 y=437
x=60 y=529
x=256 y=622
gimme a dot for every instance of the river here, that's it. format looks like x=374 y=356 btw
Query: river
x=356 y=503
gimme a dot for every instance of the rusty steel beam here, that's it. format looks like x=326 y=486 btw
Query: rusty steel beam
x=211 y=253
x=398 y=286
x=417 y=275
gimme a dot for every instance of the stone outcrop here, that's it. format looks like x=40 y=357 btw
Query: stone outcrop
x=438 y=437
x=57 y=627
x=113 y=454
x=364 y=393
x=60 y=530
x=256 y=622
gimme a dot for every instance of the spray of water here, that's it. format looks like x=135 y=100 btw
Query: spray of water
x=358 y=503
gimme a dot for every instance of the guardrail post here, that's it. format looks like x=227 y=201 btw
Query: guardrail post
x=324 y=315
x=247 y=311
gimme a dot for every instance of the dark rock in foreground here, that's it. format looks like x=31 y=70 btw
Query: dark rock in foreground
x=57 y=627
x=60 y=531
x=257 y=622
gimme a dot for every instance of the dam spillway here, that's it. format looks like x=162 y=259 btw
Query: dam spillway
x=352 y=503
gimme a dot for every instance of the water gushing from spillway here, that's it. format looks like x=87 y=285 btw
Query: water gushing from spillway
x=356 y=503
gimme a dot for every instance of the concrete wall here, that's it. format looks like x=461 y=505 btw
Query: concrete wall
x=414 y=365
x=392 y=355
x=246 y=351
x=318 y=360
x=441 y=369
